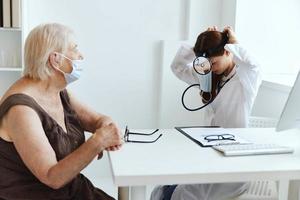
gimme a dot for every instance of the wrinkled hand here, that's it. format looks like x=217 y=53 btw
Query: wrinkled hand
x=231 y=35
x=109 y=137
x=114 y=148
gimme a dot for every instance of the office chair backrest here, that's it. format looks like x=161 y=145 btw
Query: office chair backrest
x=260 y=190
x=261 y=122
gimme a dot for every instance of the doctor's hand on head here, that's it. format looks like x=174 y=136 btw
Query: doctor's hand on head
x=231 y=35
x=213 y=28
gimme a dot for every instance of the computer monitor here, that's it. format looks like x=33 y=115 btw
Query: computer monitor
x=290 y=115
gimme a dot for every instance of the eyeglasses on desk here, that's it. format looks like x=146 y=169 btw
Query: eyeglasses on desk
x=211 y=138
x=128 y=133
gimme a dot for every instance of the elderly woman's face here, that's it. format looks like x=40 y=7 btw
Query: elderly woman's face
x=74 y=54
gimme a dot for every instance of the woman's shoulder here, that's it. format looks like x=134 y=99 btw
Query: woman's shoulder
x=21 y=86
x=21 y=93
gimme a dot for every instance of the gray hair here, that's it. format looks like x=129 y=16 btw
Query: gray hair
x=41 y=41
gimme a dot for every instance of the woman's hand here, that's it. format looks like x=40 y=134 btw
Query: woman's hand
x=231 y=35
x=109 y=137
x=114 y=148
x=104 y=121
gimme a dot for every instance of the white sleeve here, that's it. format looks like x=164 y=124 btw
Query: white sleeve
x=241 y=56
x=182 y=65
x=248 y=68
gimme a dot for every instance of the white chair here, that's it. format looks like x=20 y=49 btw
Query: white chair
x=261 y=190
x=262 y=122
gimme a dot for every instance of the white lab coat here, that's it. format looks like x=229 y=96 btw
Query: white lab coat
x=230 y=109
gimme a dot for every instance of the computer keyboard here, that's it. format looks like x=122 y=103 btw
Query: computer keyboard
x=252 y=149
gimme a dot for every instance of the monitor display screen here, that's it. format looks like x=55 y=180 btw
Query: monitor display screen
x=290 y=116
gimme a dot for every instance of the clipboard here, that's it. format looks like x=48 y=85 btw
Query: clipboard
x=198 y=134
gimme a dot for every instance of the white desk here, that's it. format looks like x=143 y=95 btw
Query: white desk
x=175 y=159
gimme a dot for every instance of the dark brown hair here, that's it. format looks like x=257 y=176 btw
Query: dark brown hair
x=210 y=43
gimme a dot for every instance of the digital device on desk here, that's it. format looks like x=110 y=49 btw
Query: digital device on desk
x=252 y=149
x=290 y=115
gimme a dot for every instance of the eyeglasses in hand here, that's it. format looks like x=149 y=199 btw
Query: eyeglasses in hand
x=127 y=133
x=211 y=138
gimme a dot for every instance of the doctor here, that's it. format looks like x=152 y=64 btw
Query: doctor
x=235 y=80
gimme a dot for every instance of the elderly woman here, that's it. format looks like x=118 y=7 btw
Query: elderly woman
x=42 y=144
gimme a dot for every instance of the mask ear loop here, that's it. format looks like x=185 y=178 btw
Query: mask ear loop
x=57 y=59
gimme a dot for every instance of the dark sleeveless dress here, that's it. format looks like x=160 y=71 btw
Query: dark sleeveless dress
x=16 y=180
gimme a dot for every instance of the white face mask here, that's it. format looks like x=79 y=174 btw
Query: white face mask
x=76 y=70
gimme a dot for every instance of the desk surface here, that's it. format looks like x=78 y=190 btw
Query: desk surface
x=174 y=158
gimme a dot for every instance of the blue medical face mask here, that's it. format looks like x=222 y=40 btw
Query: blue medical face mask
x=76 y=70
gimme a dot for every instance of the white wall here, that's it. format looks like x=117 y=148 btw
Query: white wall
x=205 y=13
x=228 y=13
x=7 y=79
x=121 y=44
x=271 y=29
x=202 y=14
